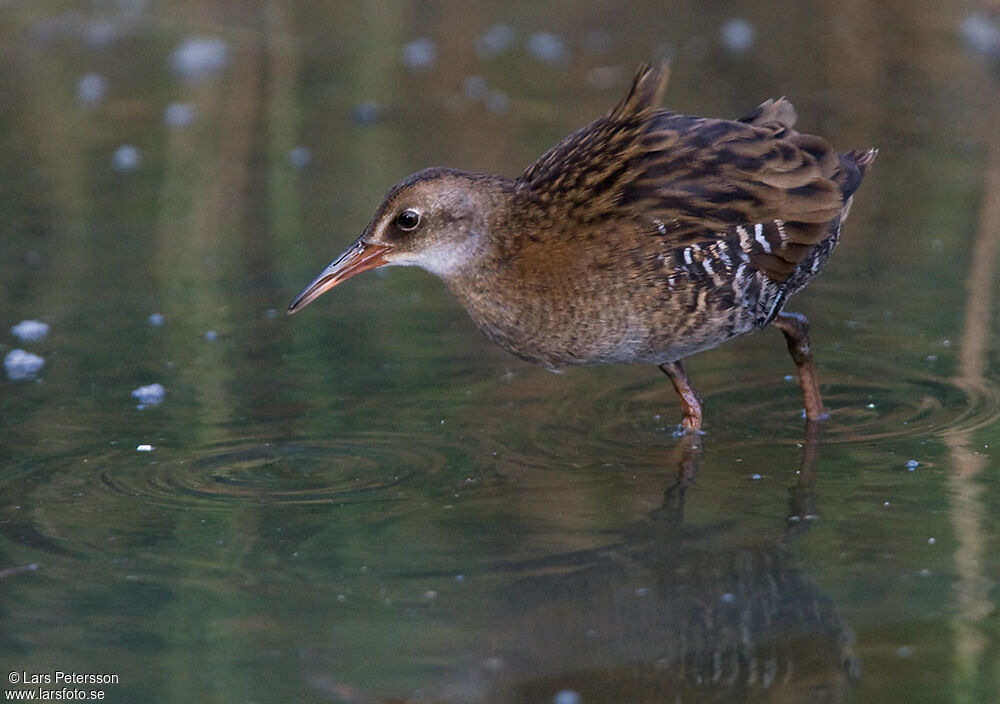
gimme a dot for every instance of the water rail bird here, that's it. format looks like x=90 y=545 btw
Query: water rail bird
x=644 y=237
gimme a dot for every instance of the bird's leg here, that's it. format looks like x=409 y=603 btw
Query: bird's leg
x=690 y=400
x=802 y=497
x=795 y=327
x=688 y=454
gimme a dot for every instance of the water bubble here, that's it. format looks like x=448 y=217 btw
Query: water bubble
x=90 y=89
x=211 y=336
x=419 y=54
x=144 y=448
x=126 y=158
x=497 y=40
x=904 y=651
x=548 y=47
x=737 y=36
x=912 y=464
x=149 y=395
x=156 y=319
x=300 y=157
x=179 y=115
x=931 y=541
x=728 y=598
x=21 y=365
x=198 y=58
x=30 y=330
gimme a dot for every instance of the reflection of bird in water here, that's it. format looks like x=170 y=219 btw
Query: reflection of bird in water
x=646 y=236
x=675 y=612
x=670 y=612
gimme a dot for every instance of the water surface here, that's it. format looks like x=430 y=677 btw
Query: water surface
x=369 y=502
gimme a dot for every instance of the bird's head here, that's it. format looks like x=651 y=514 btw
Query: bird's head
x=437 y=219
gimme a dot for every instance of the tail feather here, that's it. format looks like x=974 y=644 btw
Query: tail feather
x=862 y=157
x=853 y=165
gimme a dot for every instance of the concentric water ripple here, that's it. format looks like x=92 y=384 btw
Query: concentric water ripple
x=365 y=468
x=560 y=421
x=868 y=409
x=581 y=419
x=111 y=502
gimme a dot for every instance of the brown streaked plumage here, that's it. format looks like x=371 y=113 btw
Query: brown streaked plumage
x=646 y=236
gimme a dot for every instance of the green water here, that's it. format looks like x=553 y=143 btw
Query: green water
x=369 y=502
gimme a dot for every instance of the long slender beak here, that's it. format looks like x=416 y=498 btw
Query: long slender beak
x=361 y=256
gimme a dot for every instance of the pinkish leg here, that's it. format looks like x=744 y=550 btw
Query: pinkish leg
x=690 y=400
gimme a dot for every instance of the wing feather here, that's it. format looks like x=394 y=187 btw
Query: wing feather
x=686 y=176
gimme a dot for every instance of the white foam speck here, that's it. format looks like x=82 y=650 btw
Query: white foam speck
x=475 y=87
x=21 y=365
x=737 y=36
x=179 y=115
x=126 y=158
x=199 y=57
x=566 y=696
x=144 y=448
x=149 y=395
x=548 y=47
x=981 y=34
x=299 y=157
x=30 y=330
x=90 y=89
x=419 y=54
x=497 y=102
x=496 y=41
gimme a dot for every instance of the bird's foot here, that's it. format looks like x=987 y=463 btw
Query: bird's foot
x=686 y=429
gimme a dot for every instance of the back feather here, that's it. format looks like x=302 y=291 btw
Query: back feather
x=696 y=180
x=646 y=93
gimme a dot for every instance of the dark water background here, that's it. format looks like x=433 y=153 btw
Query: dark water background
x=369 y=500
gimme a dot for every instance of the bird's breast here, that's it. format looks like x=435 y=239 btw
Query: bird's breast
x=617 y=311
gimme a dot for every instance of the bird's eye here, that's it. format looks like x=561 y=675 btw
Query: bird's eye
x=408 y=220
